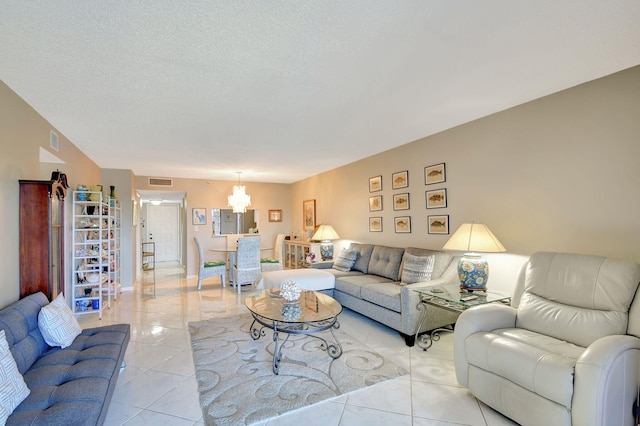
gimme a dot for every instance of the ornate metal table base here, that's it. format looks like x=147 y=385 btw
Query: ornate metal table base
x=311 y=329
x=426 y=339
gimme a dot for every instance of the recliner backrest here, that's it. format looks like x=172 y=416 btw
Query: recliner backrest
x=576 y=298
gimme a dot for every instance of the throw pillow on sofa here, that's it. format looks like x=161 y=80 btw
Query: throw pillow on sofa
x=345 y=261
x=13 y=389
x=416 y=269
x=57 y=324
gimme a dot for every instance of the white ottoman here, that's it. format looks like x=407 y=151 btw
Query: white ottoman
x=306 y=279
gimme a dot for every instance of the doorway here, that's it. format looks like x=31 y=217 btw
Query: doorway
x=163 y=229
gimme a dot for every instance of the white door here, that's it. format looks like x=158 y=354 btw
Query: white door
x=162 y=222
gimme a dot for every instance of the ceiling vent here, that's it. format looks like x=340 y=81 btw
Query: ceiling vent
x=160 y=182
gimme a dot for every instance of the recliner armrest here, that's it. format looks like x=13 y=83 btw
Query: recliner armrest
x=606 y=381
x=487 y=317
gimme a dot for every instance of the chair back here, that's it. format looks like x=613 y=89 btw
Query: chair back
x=277 y=248
x=248 y=253
x=577 y=298
x=200 y=252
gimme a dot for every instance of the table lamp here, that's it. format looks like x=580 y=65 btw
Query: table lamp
x=473 y=269
x=325 y=234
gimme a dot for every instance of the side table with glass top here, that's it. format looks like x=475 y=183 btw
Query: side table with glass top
x=313 y=313
x=453 y=299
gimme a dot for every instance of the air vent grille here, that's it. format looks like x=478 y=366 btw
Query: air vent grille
x=160 y=182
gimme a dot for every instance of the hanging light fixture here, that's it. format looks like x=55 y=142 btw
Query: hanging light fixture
x=239 y=200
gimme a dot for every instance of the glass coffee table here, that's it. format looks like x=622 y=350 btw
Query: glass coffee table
x=312 y=314
x=453 y=299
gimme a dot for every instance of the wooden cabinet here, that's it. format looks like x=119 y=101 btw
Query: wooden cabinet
x=42 y=237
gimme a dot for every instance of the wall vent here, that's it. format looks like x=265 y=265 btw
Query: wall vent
x=160 y=182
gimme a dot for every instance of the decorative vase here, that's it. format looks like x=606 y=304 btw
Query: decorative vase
x=473 y=271
x=112 y=196
x=95 y=196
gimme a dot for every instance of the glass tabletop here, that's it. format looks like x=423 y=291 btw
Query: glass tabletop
x=311 y=307
x=453 y=294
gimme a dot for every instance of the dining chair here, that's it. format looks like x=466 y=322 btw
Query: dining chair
x=246 y=269
x=274 y=263
x=209 y=269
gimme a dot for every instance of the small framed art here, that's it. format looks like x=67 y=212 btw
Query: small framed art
x=375 y=203
x=436 y=199
x=375 y=184
x=438 y=224
x=375 y=224
x=401 y=201
x=199 y=216
x=435 y=174
x=309 y=214
x=275 y=215
x=402 y=224
x=400 y=180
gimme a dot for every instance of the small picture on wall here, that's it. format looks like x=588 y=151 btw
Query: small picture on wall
x=435 y=174
x=199 y=216
x=438 y=224
x=401 y=201
x=400 y=180
x=375 y=184
x=402 y=224
x=375 y=224
x=375 y=203
x=275 y=215
x=309 y=214
x=436 y=199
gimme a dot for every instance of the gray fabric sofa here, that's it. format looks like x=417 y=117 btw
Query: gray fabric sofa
x=373 y=288
x=70 y=386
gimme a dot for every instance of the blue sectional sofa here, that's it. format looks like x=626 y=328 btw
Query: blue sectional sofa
x=70 y=386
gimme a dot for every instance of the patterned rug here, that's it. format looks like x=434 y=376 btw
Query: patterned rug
x=237 y=385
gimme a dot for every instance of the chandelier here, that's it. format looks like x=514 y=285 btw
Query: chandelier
x=239 y=200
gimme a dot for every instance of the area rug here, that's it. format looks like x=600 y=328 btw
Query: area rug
x=237 y=385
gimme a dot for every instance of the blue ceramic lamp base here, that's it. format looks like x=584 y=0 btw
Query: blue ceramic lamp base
x=326 y=250
x=473 y=271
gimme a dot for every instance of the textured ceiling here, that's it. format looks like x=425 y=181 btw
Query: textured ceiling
x=282 y=90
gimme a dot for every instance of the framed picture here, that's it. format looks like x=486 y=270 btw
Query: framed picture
x=401 y=201
x=402 y=224
x=275 y=215
x=435 y=174
x=438 y=224
x=375 y=224
x=436 y=199
x=375 y=184
x=309 y=214
x=400 y=180
x=199 y=216
x=375 y=203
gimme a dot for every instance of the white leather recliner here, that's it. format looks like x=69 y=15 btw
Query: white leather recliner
x=567 y=350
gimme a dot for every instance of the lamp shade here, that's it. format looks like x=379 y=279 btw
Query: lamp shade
x=474 y=237
x=325 y=233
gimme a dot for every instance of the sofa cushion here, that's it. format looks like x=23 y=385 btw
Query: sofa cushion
x=386 y=295
x=352 y=284
x=57 y=323
x=20 y=323
x=545 y=367
x=442 y=259
x=416 y=269
x=577 y=298
x=385 y=262
x=364 y=256
x=13 y=389
x=345 y=260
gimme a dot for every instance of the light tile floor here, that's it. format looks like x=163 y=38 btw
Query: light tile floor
x=158 y=384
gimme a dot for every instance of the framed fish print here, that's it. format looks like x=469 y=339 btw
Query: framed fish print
x=400 y=180
x=401 y=201
x=402 y=224
x=435 y=174
x=375 y=184
x=436 y=199
x=438 y=224
x=375 y=224
x=375 y=203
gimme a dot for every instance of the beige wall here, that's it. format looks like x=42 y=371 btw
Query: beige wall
x=560 y=173
x=210 y=194
x=22 y=133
